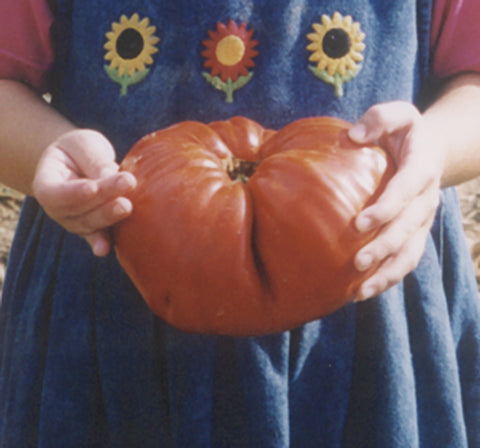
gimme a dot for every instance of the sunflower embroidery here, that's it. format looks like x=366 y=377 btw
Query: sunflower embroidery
x=337 y=46
x=229 y=54
x=130 y=46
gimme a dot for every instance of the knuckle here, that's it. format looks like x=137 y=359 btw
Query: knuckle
x=69 y=224
x=376 y=115
x=101 y=218
x=40 y=191
x=83 y=225
x=388 y=211
x=388 y=245
x=394 y=276
x=40 y=194
x=411 y=257
x=397 y=111
x=435 y=202
x=431 y=180
x=411 y=264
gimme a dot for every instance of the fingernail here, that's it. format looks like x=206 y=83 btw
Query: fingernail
x=122 y=208
x=90 y=188
x=358 y=132
x=108 y=172
x=364 y=262
x=101 y=249
x=367 y=292
x=363 y=223
x=126 y=182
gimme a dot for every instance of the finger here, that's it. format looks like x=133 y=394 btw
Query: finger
x=394 y=268
x=55 y=168
x=383 y=119
x=90 y=151
x=57 y=196
x=393 y=236
x=108 y=189
x=102 y=217
x=100 y=242
x=401 y=190
x=77 y=197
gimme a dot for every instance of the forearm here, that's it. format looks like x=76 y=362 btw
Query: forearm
x=27 y=126
x=454 y=117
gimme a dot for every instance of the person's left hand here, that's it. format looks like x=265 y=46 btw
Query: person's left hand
x=405 y=211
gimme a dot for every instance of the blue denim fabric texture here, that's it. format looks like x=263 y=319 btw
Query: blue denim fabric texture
x=83 y=362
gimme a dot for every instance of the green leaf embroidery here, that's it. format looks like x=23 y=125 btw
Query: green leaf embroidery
x=229 y=87
x=336 y=80
x=125 y=80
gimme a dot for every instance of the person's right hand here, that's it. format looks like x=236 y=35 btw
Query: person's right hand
x=78 y=184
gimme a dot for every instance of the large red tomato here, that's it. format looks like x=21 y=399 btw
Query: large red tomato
x=239 y=230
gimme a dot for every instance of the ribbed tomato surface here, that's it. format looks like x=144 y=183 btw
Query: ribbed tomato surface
x=239 y=230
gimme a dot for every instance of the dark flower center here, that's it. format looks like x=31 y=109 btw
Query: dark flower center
x=336 y=43
x=129 y=44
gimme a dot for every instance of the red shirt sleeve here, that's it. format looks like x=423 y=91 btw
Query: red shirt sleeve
x=455 y=37
x=26 y=49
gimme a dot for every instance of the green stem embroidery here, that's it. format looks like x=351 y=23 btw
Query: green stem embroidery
x=125 y=80
x=229 y=87
x=336 y=80
x=229 y=90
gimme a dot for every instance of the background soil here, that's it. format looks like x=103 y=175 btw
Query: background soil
x=10 y=203
x=469 y=195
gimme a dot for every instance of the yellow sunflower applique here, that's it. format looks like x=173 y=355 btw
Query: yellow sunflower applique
x=130 y=46
x=336 y=47
x=229 y=56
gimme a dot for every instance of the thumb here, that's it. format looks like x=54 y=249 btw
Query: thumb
x=91 y=151
x=382 y=120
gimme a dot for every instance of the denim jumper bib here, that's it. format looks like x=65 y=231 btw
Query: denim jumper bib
x=83 y=360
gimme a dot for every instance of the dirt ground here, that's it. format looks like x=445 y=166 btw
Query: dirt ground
x=10 y=203
x=469 y=195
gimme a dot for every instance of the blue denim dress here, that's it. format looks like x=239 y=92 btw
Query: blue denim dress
x=84 y=363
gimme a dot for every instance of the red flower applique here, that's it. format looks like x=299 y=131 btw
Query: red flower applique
x=229 y=54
